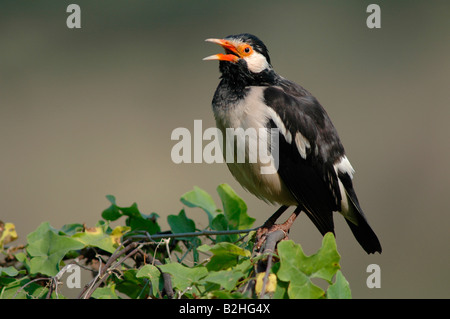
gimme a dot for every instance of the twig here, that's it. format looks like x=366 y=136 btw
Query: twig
x=166 y=277
x=180 y=294
x=190 y=234
x=269 y=248
x=89 y=286
x=114 y=256
x=166 y=241
x=109 y=268
x=28 y=283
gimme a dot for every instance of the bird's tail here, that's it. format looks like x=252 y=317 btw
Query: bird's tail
x=356 y=220
x=365 y=236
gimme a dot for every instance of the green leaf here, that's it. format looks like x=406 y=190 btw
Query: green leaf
x=229 y=249
x=181 y=224
x=98 y=237
x=226 y=255
x=111 y=213
x=200 y=198
x=131 y=211
x=10 y=289
x=281 y=292
x=9 y=271
x=182 y=276
x=108 y=292
x=220 y=262
x=70 y=229
x=298 y=269
x=48 y=249
x=40 y=231
x=132 y=286
x=234 y=208
x=136 y=220
x=244 y=265
x=111 y=199
x=226 y=279
x=152 y=273
x=340 y=289
x=204 y=248
x=222 y=294
x=220 y=222
x=22 y=257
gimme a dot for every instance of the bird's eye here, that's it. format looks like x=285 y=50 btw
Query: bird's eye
x=247 y=49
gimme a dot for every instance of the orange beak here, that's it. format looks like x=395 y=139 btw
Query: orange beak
x=232 y=53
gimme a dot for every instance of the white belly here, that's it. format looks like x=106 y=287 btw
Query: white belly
x=268 y=187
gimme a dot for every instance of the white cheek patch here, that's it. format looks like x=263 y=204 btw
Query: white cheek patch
x=256 y=62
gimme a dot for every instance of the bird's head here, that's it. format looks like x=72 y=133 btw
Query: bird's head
x=245 y=55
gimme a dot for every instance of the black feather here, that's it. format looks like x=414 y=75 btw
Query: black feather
x=363 y=233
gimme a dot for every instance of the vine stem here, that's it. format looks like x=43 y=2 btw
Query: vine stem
x=191 y=234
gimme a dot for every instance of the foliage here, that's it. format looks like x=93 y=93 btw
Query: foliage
x=137 y=260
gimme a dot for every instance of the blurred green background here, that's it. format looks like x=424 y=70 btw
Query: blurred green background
x=89 y=112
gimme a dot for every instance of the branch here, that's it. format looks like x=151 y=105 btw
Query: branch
x=190 y=234
x=88 y=289
x=269 y=248
x=28 y=283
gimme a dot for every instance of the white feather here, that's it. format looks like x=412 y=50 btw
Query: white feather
x=256 y=62
x=344 y=166
x=302 y=144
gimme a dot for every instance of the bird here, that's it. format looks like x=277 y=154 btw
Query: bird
x=312 y=172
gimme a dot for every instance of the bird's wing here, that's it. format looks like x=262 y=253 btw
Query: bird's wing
x=309 y=147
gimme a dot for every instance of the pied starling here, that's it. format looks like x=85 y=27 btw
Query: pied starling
x=313 y=173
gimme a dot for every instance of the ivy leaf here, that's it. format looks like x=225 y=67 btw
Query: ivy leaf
x=298 y=269
x=132 y=286
x=48 y=249
x=112 y=213
x=180 y=223
x=182 y=276
x=226 y=255
x=200 y=198
x=234 y=208
x=220 y=222
x=222 y=294
x=226 y=279
x=70 y=229
x=229 y=249
x=98 y=237
x=22 y=288
x=135 y=219
x=9 y=271
x=152 y=273
x=107 y=292
x=340 y=289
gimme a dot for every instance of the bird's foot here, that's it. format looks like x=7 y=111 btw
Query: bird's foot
x=263 y=232
x=270 y=227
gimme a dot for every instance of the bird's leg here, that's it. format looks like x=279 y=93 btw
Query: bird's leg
x=272 y=219
x=270 y=226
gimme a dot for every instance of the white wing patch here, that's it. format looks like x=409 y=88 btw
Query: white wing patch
x=344 y=166
x=302 y=144
x=279 y=123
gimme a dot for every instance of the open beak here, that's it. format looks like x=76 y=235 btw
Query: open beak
x=231 y=55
